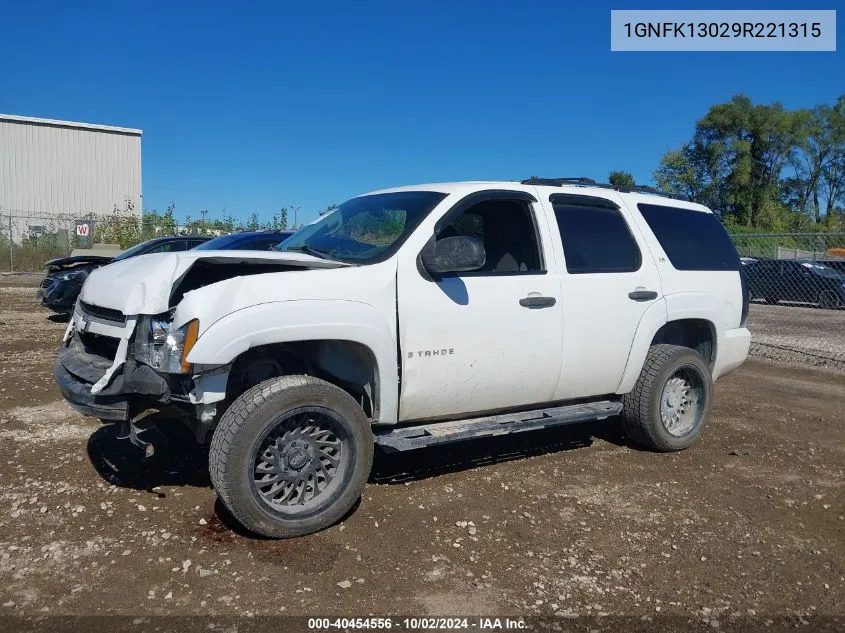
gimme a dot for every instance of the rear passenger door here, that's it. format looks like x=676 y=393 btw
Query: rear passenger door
x=608 y=281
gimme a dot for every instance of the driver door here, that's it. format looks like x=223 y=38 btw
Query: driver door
x=488 y=339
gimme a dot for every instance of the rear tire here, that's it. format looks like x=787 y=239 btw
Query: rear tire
x=291 y=456
x=670 y=402
x=830 y=300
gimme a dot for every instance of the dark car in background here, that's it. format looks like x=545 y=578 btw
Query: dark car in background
x=63 y=277
x=246 y=241
x=775 y=280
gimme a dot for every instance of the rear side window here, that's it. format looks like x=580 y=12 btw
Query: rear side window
x=693 y=240
x=596 y=239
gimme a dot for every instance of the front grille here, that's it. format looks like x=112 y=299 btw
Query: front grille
x=106 y=314
x=98 y=345
x=47 y=282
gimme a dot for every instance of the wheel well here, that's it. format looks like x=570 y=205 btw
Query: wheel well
x=346 y=364
x=697 y=334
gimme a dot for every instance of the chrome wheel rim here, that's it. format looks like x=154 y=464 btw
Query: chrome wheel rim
x=682 y=401
x=301 y=460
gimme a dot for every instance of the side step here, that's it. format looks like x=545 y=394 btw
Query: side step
x=412 y=437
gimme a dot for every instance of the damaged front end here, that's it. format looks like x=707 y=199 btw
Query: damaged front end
x=115 y=368
x=126 y=346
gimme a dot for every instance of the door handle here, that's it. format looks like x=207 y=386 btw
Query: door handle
x=642 y=295
x=536 y=301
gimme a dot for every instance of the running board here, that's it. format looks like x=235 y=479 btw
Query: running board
x=413 y=437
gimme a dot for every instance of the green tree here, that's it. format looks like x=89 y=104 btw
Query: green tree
x=621 y=179
x=761 y=166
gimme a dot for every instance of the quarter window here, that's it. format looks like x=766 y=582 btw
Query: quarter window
x=596 y=239
x=693 y=240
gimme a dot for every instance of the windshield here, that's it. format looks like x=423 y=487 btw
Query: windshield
x=365 y=229
x=824 y=271
x=135 y=250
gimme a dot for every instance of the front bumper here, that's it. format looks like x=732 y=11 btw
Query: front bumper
x=133 y=388
x=77 y=392
x=59 y=296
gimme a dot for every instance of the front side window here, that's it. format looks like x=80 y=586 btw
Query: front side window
x=506 y=228
x=596 y=239
x=172 y=246
x=365 y=229
x=133 y=251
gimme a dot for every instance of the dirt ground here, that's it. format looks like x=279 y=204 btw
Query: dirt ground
x=798 y=334
x=744 y=529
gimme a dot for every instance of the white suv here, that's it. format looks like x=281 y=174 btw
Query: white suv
x=409 y=317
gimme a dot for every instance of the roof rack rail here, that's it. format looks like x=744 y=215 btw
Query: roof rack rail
x=589 y=182
x=557 y=182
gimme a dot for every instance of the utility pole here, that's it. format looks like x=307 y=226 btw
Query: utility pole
x=11 y=257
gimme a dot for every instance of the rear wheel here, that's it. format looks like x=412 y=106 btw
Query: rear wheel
x=830 y=300
x=670 y=403
x=291 y=456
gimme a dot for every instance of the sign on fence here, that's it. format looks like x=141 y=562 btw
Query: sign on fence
x=84 y=233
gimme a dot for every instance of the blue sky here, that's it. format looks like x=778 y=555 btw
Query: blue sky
x=251 y=106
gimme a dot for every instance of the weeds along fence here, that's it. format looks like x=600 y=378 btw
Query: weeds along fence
x=803 y=246
x=27 y=241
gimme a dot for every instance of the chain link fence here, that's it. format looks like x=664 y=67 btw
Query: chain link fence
x=795 y=268
x=28 y=241
x=797 y=285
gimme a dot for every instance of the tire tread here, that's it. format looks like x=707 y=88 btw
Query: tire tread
x=637 y=417
x=222 y=448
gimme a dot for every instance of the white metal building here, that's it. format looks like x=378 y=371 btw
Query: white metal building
x=61 y=169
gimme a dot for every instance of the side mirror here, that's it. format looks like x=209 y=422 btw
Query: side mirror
x=453 y=255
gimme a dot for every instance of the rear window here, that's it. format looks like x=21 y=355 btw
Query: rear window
x=693 y=240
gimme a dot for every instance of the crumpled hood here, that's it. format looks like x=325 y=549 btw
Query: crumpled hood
x=144 y=285
x=77 y=260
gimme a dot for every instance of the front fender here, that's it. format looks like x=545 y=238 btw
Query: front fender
x=306 y=320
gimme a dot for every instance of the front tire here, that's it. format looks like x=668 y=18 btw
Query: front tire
x=291 y=456
x=669 y=405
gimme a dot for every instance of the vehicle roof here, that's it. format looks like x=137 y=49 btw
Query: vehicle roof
x=177 y=238
x=258 y=233
x=470 y=186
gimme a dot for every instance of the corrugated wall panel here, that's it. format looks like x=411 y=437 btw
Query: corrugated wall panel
x=48 y=170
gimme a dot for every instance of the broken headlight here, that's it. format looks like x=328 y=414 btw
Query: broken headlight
x=164 y=347
x=79 y=274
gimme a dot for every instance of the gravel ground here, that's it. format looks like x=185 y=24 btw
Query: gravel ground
x=798 y=335
x=743 y=531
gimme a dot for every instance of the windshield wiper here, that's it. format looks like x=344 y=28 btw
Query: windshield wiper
x=308 y=250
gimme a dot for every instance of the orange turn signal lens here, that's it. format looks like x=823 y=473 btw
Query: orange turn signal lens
x=190 y=338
